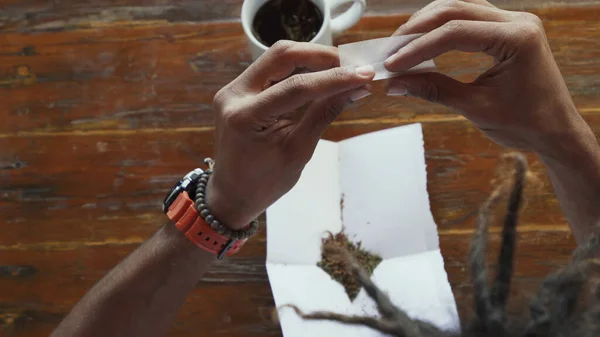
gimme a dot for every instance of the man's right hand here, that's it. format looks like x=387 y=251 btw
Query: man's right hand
x=522 y=102
x=269 y=121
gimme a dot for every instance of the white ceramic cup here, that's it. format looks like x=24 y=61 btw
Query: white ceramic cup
x=330 y=26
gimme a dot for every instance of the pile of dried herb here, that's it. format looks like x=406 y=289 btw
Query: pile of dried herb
x=336 y=268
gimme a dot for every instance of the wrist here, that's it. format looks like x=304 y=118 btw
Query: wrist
x=576 y=147
x=568 y=138
x=227 y=209
x=180 y=247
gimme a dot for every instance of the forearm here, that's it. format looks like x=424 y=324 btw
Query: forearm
x=140 y=296
x=574 y=169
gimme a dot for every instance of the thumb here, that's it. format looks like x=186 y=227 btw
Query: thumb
x=433 y=87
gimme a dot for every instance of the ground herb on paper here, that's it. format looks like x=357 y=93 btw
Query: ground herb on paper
x=335 y=266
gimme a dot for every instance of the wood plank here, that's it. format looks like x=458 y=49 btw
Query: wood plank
x=110 y=187
x=46 y=15
x=33 y=304
x=164 y=76
x=537 y=255
x=108 y=103
x=40 y=287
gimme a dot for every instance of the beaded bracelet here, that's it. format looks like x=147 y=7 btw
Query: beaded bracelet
x=205 y=213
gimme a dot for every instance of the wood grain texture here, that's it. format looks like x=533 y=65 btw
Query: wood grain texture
x=37 y=302
x=164 y=76
x=83 y=225
x=57 y=15
x=115 y=183
x=105 y=104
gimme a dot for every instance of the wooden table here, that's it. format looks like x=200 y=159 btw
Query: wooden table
x=105 y=104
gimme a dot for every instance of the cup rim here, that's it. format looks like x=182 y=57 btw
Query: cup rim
x=246 y=23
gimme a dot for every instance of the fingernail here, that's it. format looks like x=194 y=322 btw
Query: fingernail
x=366 y=70
x=397 y=90
x=389 y=60
x=359 y=94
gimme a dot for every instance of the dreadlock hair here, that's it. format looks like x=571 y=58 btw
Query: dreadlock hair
x=555 y=311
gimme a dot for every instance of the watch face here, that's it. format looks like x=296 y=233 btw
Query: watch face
x=181 y=186
x=171 y=196
x=191 y=177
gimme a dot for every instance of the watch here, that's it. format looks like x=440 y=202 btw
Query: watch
x=180 y=209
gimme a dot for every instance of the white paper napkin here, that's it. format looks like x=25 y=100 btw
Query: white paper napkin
x=382 y=180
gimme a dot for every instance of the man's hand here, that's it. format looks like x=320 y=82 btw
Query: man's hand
x=263 y=142
x=264 y=138
x=522 y=102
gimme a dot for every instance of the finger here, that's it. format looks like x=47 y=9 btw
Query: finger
x=457 y=10
x=325 y=111
x=435 y=4
x=438 y=3
x=425 y=9
x=428 y=8
x=496 y=39
x=285 y=57
x=435 y=88
x=481 y=2
x=300 y=89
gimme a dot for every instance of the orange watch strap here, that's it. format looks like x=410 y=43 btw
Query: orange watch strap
x=183 y=213
x=178 y=210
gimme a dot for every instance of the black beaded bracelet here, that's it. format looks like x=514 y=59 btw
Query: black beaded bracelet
x=204 y=210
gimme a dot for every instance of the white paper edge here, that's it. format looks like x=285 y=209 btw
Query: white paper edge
x=312 y=205
x=385 y=187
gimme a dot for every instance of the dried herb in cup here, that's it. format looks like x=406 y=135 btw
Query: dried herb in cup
x=296 y=20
